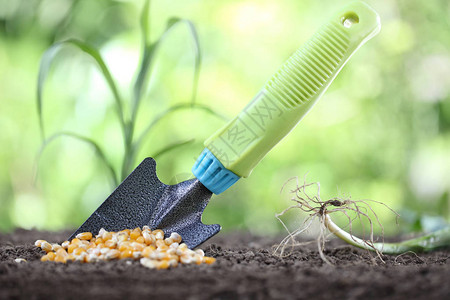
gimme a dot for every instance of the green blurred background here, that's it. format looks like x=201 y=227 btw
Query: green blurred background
x=382 y=131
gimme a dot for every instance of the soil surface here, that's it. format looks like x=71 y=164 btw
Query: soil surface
x=245 y=269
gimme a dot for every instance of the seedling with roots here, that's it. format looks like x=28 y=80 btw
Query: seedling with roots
x=360 y=210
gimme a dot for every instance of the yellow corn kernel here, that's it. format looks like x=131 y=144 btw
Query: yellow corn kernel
x=171 y=257
x=147 y=251
x=110 y=244
x=100 y=232
x=70 y=257
x=46 y=246
x=55 y=247
x=140 y=240
x=134 y=235
x=149 y=263
x=163 y=265
x=126 y=254
x=107 y=236
x=103 y=251
x=82 y=246
x=176 y=257
x=159 y=255
x=71 y=248
x=124 y=245
x=78 y=251
x=208 y=260
x=174 y=246
x=171 y=251
x=189 y=252
x=60 y=259
x=126 y=249
x=137 y=254
x=168 y=241
x=198 y=259
x=65 y=244
x=199 y=252
x=51 y=255
x=86 y=236
x=186 y=259
x=175 y=237
x=122 y=236
x=148 y=238
x=81 y=257
x=137 y=246
x=38 y=243
x=146 y=231
x=183 y=247
x=94 y=251
x=125 y=231
x=145 y=227
x=173 y=263
x=61 y=252
x=99 y=240
x=75 y=241
x=112 y=254
x=159 y=234
x=163 y=247
x=90 y=258
x=160 y=243
x=152 y=255
x=45 y=258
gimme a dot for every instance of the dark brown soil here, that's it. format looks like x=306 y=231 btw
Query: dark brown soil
x=245 y=269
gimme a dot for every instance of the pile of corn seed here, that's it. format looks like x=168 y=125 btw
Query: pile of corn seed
x=153 y=250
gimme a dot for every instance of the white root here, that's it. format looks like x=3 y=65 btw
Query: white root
x=321 y=210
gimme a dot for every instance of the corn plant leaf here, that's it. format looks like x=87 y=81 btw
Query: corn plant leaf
x=173 y=109
x=148 y=57
x=197 y=52
x=145 y=23
x=99 y=152
x=172 y=147
x=44 y=70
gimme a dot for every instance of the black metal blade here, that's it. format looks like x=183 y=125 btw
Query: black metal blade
x=142 y=199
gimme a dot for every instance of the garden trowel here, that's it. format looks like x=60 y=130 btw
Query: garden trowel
x=234 y=150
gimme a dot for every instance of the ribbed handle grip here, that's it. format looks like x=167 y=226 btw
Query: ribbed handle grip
x=293 y=90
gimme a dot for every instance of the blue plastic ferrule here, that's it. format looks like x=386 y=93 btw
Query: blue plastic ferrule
x=212 y=174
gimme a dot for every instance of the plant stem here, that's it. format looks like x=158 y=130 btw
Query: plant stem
x=128 y=155
x=433 y=241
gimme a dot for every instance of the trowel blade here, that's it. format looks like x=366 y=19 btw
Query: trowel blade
x=142 y=199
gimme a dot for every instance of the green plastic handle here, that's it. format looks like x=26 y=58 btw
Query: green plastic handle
x=288 y=96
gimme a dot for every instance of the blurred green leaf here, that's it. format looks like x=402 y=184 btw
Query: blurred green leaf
x=149 y=55
x=44 y=70
x=172 y=147
x=145 y=23
x=173 y=109
x=98 y=151
x=197 y=53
